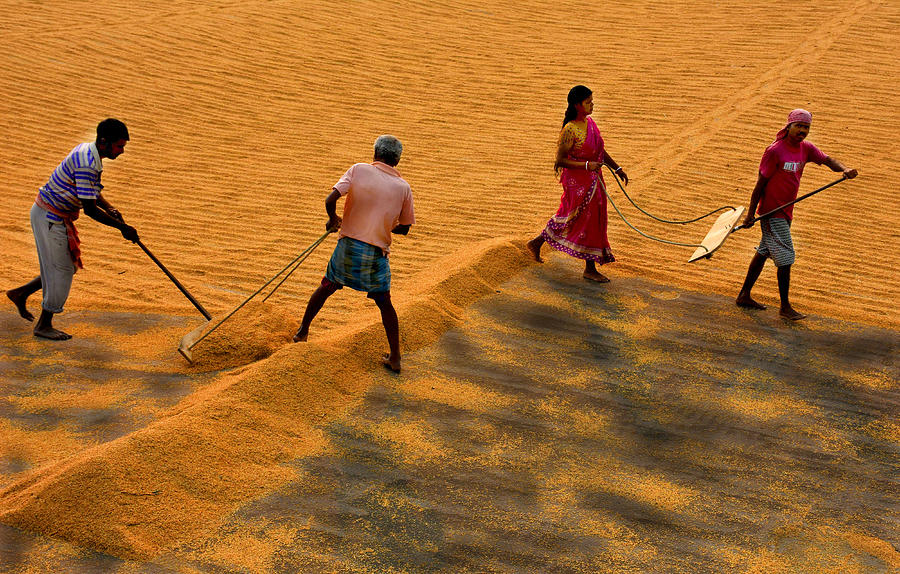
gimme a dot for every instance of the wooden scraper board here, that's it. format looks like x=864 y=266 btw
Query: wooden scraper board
x=721 y=229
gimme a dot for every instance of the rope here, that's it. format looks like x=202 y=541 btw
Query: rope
x=616 y=177
x=304 y=254
x=302 y=257
x=650 y=215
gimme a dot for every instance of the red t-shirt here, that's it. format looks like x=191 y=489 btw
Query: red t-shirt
x=782 y=163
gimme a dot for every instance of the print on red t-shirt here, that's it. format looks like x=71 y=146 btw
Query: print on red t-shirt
x=782 y=164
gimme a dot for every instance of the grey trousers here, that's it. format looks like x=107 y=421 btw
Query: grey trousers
x=57 y=267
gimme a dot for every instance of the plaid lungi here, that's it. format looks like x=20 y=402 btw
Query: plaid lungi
x=776 y=241
x=360 y=266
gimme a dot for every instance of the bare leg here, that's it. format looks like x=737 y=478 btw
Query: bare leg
x=591 y=273
x=316 y=301
x=535 y=247
x=744 y=299
x=392 y=330
x=784 y=285
x=44 y=328
x=20 y=295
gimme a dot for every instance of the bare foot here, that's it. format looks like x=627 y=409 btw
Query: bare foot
x=301 y=336
x=596 y=276
x=389 y=363
x=535 y=249
x=747 y=302
x=19 y=302
x=790 y=314
x=52 y=334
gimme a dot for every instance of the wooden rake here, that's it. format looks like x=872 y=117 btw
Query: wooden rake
x=725 y=225
x=188 y=342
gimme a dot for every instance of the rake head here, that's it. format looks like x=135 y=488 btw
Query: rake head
x=721 y=229
x=188 y=341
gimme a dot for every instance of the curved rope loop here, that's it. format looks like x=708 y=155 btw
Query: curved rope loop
x=650 y=215
x=616 y=207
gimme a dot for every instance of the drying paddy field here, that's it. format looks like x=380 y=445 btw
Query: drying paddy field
x=541 y=423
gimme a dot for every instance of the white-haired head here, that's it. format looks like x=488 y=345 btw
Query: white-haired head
x=388 y=149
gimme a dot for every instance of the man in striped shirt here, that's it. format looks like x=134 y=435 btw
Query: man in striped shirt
x=74 y=185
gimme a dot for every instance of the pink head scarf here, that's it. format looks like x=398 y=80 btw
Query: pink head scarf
x=795 y=116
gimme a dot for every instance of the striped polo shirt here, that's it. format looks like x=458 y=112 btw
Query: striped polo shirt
x=76 y=178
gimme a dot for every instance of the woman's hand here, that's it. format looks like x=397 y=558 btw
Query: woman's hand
x=622 y=175
x=593 y=165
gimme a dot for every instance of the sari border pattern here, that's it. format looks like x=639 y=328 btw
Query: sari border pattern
x=554 y=233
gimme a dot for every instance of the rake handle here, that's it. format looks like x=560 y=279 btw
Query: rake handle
x=258 y=291
x=300 y=259
x=779 y=208
x=174 y=280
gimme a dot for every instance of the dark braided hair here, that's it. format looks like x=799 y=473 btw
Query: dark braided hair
x=576 y=95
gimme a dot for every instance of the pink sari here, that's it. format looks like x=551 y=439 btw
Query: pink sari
x=579 y=226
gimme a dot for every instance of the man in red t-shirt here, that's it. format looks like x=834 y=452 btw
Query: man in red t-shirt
x=778 y=183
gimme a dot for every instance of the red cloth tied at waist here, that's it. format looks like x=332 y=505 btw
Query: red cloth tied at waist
x=71 y=232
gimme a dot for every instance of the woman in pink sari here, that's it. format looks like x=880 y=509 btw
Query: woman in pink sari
x=579 y=226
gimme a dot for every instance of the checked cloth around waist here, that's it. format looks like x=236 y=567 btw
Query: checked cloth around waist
x=360 y=266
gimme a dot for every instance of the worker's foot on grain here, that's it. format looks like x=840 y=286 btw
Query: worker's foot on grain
x=747 y=302
x=791 y=314
x=52 y=334
x=391 y=363
x=596 y=276
x=534 y=246
x=19 y=301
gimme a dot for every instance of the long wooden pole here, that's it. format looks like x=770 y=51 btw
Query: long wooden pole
x=779 y=208
x=175 y=281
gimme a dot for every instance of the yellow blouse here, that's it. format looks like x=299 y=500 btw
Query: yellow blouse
x=573 y=134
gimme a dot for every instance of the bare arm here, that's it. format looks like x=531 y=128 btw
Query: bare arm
x=608 y=160
x=564 y=146
x=835 y=165
x=106 y=206
x=334 y=221
x=757 y=194
x=566 y=143
x=92 y=210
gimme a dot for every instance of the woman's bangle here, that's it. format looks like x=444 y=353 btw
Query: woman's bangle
x=585 y=165
x=618 y=169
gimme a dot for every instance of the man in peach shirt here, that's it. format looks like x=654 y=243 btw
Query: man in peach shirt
x=379 y=203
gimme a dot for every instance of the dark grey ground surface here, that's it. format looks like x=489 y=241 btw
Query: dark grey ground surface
x=574 y=427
